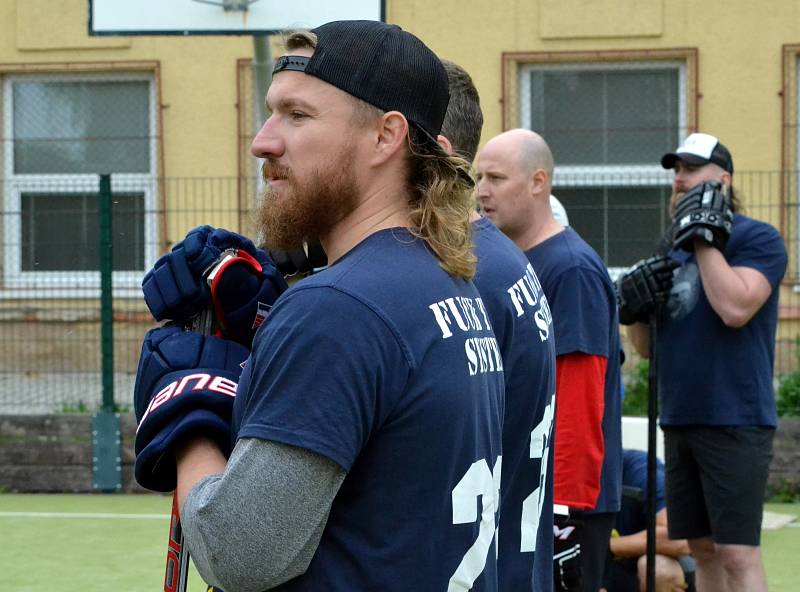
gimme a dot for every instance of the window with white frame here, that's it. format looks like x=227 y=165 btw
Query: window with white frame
x=608 y=124
x=62 y=132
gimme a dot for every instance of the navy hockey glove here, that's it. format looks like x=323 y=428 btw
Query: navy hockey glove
x=174 y=288
x=704 y=212
x=243 y=289
x=245 y=282
x=643 y=287
x=567 y=575
x=185 y=387
x=302 y=261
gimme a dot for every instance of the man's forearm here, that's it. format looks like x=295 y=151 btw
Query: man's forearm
x=639 y=336
x=259 y=523
x=198 y=459
x=735 y=293
x=635 y=545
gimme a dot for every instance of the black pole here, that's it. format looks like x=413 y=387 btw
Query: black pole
x=105 y=250
x=652 y=421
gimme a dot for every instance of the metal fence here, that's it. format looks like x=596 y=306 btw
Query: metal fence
x=50 y=279
x=51 y=329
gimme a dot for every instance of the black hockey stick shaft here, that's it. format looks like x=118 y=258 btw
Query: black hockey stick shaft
x=177 y=570
x=652 y=426
x=662 y=249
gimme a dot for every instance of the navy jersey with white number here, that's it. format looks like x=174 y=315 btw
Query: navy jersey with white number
x=584 y=307
x=388 y=366
x=710 y=374
x=521 y=319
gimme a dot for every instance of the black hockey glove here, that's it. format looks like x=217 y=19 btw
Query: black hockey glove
x=704 y=213
x=643 y=287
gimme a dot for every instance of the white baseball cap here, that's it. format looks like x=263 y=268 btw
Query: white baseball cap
x=559 y=212
x=699 y=149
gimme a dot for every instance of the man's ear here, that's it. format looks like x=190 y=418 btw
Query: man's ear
x=391 y=137
x=539 y=182
x=445 y=144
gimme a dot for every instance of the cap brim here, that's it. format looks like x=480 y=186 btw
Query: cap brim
x=668 y=160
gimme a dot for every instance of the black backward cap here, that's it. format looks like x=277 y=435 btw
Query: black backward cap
x=381 y=64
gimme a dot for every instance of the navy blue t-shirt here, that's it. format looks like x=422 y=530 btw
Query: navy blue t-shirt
x=710 y=374
x=521 y=319
x=632 y=517
x=584 y=307
x=388 y=366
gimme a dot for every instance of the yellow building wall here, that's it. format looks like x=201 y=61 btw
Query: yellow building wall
x=198 y=76
x=197 y=91
x=740 y=70
x=739 y=41
x=739 y=44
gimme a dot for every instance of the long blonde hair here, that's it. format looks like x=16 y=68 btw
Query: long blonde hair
x=441 y=203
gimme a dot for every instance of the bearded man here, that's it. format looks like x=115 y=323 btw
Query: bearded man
x=715 y=347
x=368 y=418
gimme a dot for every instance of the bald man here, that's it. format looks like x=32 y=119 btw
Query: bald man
x=514 y=173
x=516 y=306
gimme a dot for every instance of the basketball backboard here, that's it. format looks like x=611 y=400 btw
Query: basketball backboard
x=222 y=17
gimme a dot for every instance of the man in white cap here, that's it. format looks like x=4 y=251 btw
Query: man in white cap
x=716 y=346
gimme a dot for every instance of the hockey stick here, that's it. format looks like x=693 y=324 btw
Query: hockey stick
x=177 y=557
x=177 y=569
x=652 y=419
x=204 y=323
x=663 y=247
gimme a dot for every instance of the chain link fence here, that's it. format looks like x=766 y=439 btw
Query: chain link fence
x=50 y=316
x=608 y=117
x=50 y=286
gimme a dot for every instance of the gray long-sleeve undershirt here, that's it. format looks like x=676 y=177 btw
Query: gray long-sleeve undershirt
x=259 y=523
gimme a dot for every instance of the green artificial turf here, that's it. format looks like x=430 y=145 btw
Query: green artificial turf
x=88 y=553
x=128 y=554
x=780 y=548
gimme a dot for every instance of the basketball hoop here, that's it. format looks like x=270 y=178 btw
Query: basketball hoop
x=230 y=5
x=223 y=17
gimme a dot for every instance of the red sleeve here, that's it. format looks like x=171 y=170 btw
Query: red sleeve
x=579 y=446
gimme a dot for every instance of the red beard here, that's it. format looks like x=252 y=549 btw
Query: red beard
x=308 y=208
